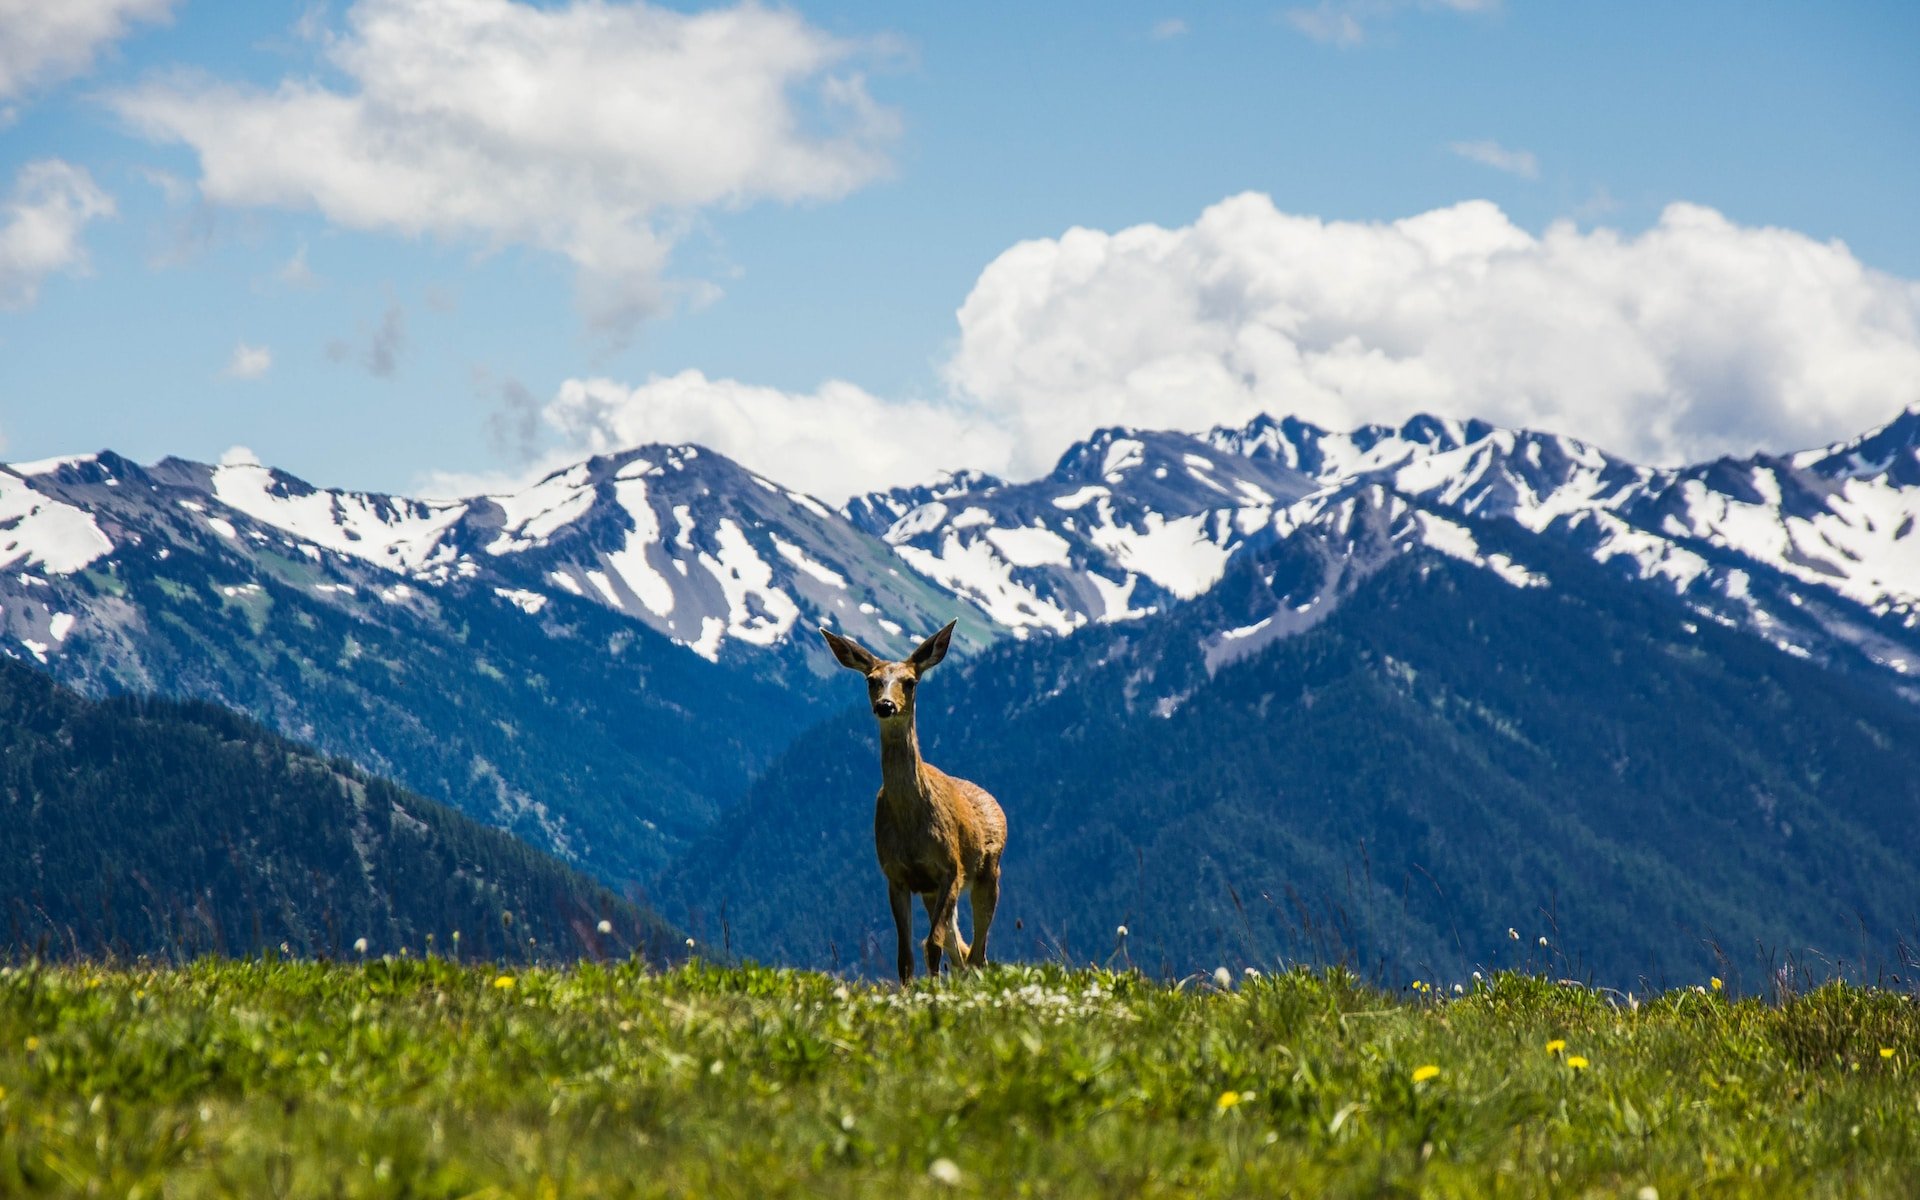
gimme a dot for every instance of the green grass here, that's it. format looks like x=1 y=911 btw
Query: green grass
x=411 y=1078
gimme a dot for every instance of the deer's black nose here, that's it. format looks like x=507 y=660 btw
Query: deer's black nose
x=886 y=708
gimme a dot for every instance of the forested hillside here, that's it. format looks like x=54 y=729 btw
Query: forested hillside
x=140 y=826
x=1447 y=757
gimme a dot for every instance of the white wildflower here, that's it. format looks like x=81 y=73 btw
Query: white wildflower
x=1543 y=943
x=359 y=945
x=605 y=926
x=944 y=1170
x=1222 y=978
x=1513 y=934
x=1122 y=931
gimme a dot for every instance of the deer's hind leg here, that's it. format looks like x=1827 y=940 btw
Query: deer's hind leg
x=986 y=898
x=943 y=917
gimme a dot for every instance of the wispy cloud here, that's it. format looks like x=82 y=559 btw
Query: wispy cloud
x=40 y=226
x=1168 y=29
x=627 y=122
x=249 y=362
x=295 y=272
x=1347 y=22
x=1489 y=153
x=380 y=352
x=45 y=41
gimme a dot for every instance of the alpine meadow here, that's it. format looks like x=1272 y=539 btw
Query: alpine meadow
x=563 y=564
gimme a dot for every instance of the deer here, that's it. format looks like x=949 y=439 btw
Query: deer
x=936 y=835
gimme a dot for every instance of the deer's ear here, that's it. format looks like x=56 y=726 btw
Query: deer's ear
x=932 y=650
x=852 y=655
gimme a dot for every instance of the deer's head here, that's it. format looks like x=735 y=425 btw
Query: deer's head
x=890 y=685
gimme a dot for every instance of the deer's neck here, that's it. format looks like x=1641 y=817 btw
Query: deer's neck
x=902 y=770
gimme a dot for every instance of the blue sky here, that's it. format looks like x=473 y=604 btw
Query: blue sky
x=408 y=349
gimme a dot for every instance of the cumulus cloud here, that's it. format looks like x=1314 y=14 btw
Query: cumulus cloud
x=592 y=130
x=1694 y=338
x=249 y=362
x=1489 y=153
x=40 y=226
x=1346 y=22
x=831 y=442
x=45 y=41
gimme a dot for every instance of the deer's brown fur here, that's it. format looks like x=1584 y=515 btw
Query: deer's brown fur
x=937 y=836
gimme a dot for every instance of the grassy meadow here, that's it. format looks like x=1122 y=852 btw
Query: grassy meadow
x=430 y=1078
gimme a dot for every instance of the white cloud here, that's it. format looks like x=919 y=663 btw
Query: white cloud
x=40 y=226
x=249 y=362
x=1345 y=22
x=831 y=442
x=1694 y=338
x=592 y=130
x=45 y=41
x=1489 y=153
x=295 y=272
x=1172 y=27
x=239 y=456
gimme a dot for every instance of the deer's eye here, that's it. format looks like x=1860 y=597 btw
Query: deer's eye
x=907 y=684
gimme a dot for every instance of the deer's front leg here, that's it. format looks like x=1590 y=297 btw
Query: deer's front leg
x=902 y=901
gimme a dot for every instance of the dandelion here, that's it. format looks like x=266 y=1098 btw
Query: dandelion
x=1477 y=977
x=503 y=981
x=1716 y=984
x=1513 y=935
x=1223 y=979
x=689 y=943
x=605 y=926
x=1458 y=990
x=1422 y=1074
x=944 y=1171
x=359 y=945
x=1229 y=1100
x=33 y=1044
x=1886 y=1052
x=1543 y=943
x=1578 y=1062
x=1122 y=931
x=1557 y=1046
x=1250 y=973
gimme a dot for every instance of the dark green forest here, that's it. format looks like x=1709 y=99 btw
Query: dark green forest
x=1446 y=758
x=137 y=827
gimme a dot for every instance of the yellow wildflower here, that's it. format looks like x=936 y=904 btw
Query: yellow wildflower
x=504 y=981
x=1228 y=1100
x=1422 y=1074
x=33 y=1043
x=1886 y=1052
x=1715 y=981
x=1557 y=1046
x=1578 y=1062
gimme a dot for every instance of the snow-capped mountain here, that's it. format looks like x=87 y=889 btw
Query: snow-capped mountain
x=1815 y=551
x=684 y=541
x=1125 y=524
